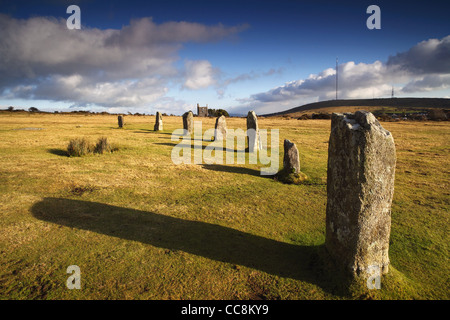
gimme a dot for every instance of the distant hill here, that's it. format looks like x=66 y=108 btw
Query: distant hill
x=368 y=104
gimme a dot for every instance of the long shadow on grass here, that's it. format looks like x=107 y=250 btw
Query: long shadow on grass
x=153 y=131
x=203 y=239
x=235 y=169
x=157 y=132
x=192 y=146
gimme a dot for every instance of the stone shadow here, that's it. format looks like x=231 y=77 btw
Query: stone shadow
x=203 y=239
x=235 y=169
x=192 y=146
x=58 y=152
x=155 y=132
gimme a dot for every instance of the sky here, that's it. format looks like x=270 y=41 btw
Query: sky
x=266 y=56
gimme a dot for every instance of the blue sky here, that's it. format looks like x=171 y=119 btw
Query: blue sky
x=267 y=56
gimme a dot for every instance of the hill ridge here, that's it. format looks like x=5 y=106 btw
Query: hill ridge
x=423 y=103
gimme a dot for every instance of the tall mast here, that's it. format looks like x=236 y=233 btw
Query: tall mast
x=336 y=78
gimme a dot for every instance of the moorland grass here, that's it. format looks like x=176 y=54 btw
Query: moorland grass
x=141 y=227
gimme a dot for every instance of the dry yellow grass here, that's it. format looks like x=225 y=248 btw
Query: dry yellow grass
x=141 y=227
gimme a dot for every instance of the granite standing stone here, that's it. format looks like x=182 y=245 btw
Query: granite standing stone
x=220 y=132
x=252 y=132
x=360 y=187
x=159 y=122
x=120 y=120
x=291 y=160
x=188 y=122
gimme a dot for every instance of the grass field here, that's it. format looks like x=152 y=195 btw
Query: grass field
x=141 y=227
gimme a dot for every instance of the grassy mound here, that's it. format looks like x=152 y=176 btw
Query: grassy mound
x=290 y=177
x=81 y=146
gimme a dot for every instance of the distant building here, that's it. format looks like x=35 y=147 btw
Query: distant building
x=202 y=111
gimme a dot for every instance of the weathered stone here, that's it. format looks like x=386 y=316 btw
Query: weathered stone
x=252 y=132
x=120 y=120
x=360 y=187
x=291 y=160
x=159 y=122
x=220 y=132
x=188 y=122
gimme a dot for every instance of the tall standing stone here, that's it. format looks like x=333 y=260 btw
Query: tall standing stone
x=120 y=120
x=158 y=122
x=291 y=160
x=252 y=132
x=360 y=187
x=188 y=122
x=220 y=132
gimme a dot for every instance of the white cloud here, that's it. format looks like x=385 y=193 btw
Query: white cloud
x=352 y=78
x=428 y=83
x=129 y=67
x=427 y=57
x=84 y=91
x=199 y=74
x=425 y=67
x=167 y=105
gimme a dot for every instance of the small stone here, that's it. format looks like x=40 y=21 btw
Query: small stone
x=158 y=122
x=291 y=161
x=252 y=132
x=220 y=132
x=188 y=122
